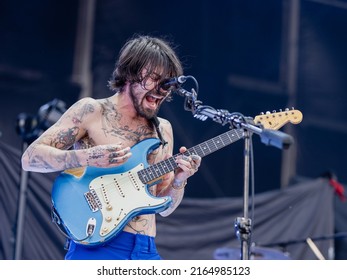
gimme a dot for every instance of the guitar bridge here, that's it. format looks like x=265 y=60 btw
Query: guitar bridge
x=93 y=200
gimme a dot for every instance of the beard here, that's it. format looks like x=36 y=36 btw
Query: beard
x=141 y=111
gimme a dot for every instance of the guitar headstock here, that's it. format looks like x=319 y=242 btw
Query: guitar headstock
x=276 y=120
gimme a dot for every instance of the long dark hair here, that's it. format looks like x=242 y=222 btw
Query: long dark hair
x=142 y=52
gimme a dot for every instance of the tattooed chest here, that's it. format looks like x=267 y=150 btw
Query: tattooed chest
x=129 y=135
x=116 y=134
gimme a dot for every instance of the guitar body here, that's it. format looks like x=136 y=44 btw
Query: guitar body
x=96 y=206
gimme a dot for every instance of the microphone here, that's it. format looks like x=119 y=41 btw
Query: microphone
x=176 y=82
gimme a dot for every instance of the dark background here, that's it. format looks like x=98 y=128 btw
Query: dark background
x=248 y=56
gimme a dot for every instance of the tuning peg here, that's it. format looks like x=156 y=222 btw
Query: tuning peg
x=273 y=111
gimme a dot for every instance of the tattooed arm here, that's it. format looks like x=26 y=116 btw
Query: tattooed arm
x=176 y=196
x=178 y=181
x=51 y=151
x=164 y=188
x=173 y=184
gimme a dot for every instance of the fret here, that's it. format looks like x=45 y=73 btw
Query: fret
x=199 y=151
x=157 y=170
x=173 y=164
x=204 y=149
x=210 y=145
x=143 y=176
x=195 y=152
x=162 y=167
x=150 y=174
x=219 y=142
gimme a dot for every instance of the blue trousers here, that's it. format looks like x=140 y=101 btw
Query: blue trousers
x=125 y=246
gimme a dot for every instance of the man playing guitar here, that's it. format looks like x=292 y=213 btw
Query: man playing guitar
x=100 y=133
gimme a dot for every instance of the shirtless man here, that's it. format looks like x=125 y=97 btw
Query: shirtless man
x=100 y=133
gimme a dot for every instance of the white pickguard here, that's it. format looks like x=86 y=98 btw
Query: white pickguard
x=122 y=196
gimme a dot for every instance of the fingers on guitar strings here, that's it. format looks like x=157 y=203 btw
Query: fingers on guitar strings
x=192 y=163
x=195 y=161
x=195 y=157
x=186 y=158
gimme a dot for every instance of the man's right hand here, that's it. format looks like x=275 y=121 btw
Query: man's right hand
x=107 y=155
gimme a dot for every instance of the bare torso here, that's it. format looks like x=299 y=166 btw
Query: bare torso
x=106 y=125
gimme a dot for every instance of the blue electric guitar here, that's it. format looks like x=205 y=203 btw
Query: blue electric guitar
x=92 y=204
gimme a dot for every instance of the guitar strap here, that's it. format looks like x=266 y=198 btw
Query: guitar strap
x=156 y=123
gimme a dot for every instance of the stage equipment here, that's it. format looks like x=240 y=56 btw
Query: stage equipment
x=256 y=253
x=246 y=125
x=29 y=128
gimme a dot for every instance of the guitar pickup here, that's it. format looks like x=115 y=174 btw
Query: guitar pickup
x=93 y=200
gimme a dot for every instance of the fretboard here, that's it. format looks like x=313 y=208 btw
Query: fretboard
x=159 y=169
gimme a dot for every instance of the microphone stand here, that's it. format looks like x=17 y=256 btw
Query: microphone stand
x=243 y=225
x=21 y=211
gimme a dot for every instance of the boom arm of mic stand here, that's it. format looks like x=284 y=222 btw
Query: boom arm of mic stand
x=268 y=137
x=200 y=111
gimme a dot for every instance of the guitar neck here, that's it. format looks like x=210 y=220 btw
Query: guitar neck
x=161 y=168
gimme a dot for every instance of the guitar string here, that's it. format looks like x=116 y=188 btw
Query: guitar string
x=155 y=169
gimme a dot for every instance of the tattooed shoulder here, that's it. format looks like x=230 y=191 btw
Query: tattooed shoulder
x=109 y=110
x=82 y=109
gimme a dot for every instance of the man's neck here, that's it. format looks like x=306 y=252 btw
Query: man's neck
x=125 y=107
